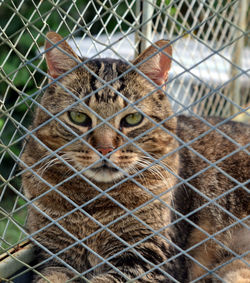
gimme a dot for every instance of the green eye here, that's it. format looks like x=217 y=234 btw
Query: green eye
x=132 y=120
x=80 y=118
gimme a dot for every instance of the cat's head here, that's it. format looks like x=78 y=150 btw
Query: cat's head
x=106 y=110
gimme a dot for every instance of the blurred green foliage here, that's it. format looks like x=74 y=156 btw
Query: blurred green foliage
x=9 y=229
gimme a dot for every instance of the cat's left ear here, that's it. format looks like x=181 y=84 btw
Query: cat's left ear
x=60 y=58
x=157 y=65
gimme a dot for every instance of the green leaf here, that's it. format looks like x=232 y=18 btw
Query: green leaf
x=1 y=123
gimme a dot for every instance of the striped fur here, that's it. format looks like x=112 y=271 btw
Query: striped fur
x=109 y=227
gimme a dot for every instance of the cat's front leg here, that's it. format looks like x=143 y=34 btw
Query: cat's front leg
x=241 y=275
x=130 y=267
x=228 y=268
x=236 y=271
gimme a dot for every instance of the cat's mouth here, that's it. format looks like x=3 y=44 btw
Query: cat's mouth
x=105 y=168
x=104 y=173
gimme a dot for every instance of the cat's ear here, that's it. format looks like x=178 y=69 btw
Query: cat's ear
x=157 y=65
x=58 y=61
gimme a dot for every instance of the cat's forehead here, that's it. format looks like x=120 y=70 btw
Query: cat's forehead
x=101 y=81
x=106 y=68
x=106 y=81
x=105 y=85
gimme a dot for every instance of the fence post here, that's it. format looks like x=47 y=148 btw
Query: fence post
x=237 y=58
x=145 y=11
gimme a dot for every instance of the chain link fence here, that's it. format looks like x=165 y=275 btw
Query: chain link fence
x=209 y=77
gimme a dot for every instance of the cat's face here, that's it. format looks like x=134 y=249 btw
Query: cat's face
x=105 y=124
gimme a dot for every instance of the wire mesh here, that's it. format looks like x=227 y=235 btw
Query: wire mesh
x=209 y=77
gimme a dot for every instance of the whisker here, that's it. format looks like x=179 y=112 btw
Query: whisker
x=52 y=162
x=155 y=169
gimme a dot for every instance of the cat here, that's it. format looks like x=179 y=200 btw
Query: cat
x=111 y=171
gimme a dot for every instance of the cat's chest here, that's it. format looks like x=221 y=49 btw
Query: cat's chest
x=81 y=223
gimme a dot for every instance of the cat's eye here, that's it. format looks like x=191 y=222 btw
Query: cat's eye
x=132 y=120
x=80 y=118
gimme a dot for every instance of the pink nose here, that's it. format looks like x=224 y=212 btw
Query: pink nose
x=105 y=150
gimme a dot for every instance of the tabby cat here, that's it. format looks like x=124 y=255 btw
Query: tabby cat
x=111 y=171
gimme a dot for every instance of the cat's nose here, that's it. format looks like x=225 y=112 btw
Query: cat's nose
x=105 y=150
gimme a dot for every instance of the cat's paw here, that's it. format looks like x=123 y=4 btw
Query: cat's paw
x=53 y=278
x=239 y=276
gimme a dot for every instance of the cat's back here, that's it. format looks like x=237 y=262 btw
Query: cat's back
x=212 y=141
x=214 y=171
x=214 y=164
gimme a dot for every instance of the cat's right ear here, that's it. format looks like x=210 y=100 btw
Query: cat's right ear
x=59 y=61
x=155 y=61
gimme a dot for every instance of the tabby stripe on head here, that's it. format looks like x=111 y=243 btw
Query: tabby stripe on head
x=92 y=83
x=122 y=84
x=93 y=78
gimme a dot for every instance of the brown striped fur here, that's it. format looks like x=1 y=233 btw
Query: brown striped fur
x=83 y=204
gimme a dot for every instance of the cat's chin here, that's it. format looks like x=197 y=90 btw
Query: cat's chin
x=104 y=175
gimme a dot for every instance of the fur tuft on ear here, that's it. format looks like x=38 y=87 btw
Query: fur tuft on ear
x=157 y=66
x=59 y=62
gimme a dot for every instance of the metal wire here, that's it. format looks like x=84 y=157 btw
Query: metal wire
x=210 y=27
